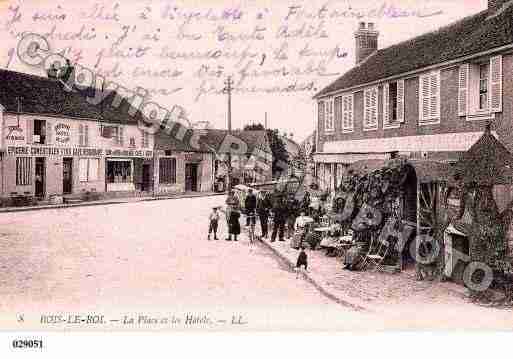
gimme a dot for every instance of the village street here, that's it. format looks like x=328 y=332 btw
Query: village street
x=153 y=258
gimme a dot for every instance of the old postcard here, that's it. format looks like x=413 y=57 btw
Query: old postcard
x=256 y=165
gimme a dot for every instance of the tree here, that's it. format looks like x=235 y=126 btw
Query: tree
x=254 y=127
x=278 y=149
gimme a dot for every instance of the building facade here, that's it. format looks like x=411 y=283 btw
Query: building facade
x=48 y=152
x=182 y=167
x=426 y=98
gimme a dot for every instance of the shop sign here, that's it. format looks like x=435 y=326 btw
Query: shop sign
x=75 y=151
x=62 y=133
x=14 y=133
x=193 y=157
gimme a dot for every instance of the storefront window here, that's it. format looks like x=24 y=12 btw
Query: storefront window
x=119 y=171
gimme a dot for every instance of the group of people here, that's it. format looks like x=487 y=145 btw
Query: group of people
x=283 y=209
x=288 y=216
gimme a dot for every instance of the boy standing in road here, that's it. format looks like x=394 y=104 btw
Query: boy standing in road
x=213 y=222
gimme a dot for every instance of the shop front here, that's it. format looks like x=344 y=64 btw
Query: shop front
x=179 y=172
x=43 y=172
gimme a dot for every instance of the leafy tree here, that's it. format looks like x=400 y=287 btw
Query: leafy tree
x=278 y=149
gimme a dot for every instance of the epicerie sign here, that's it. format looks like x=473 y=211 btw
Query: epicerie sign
x=74 y=151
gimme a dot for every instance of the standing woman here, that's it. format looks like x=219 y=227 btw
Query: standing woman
x=233 y=225
x=231 y=203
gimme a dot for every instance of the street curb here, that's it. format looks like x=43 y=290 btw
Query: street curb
x=321 y=288
x=95 y=203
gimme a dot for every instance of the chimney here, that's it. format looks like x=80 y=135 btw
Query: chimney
x=366 y=40
x=494 y=5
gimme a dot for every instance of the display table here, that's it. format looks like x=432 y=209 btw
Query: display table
x=337 y=245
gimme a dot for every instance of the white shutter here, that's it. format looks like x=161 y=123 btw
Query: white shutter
x=386 y=106
x=93 y=169
x=434 y=105
x=49 y=133
x=30 y=131
x=496 y=83
x=86 y=135
x=367 y=111
x=400 y=101
x=424 y=98
x=82 y=169
x=80 y=135
x=320 y=117
x=463 y=81
x=374 y=94
x=121 y=138
x=350 y=104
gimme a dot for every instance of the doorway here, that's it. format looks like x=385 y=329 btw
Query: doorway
x=40 y=180
x=191 y=177
x=67 y=175
x=145 y=186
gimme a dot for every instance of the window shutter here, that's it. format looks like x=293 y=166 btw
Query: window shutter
x=30 y=131
x=374 y=112
x=367 y=114
x=424 y=98
x=86 y=135
x=120 y=134
x=496 y=83
x=80 y=135
x=320 y=117
x=434 y=110
x=400 y=101
x=386 y=106
x=347 y=123
x=49 y=134
x=463 y=80
x=350 y=112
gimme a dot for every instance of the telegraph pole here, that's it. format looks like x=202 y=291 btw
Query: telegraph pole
x=228 y=90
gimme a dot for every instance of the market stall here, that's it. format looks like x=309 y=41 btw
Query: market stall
x=480 y=228
x=385 y=203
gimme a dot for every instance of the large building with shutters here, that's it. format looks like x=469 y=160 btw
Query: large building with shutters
x=54 y=142
x=429 y=97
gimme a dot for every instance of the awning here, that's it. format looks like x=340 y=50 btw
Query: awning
x=425 y=170
x=347 y=157
x=431 y=171
x=446 y=142
x=365 y=166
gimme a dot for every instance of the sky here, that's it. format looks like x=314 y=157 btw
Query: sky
x=279 y=53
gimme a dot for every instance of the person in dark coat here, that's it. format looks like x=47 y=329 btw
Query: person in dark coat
x=302 y=261
x=292 y=213
x=233 y=225
x=263 y=207
x=250 y=204
x=280 y=216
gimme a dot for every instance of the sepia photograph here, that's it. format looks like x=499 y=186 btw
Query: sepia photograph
x=224 y=166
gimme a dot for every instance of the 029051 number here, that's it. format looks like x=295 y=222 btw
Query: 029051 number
x=27 y=344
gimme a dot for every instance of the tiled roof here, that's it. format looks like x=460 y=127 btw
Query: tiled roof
x=211 y=141
x=46 y=96
x=468 y=36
